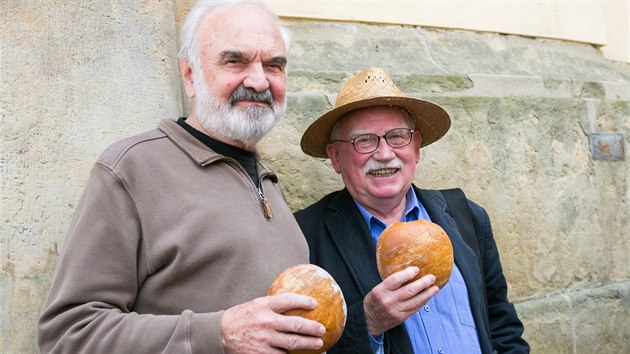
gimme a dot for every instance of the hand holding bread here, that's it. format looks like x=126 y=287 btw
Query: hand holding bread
x=419 y=243
x=331 y=311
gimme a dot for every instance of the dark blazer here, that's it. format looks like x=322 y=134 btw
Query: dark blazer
x=340 y=242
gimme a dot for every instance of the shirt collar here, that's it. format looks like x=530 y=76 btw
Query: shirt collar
x=412 y=212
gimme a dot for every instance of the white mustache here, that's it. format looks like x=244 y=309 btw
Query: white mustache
x=244 y=93
x=373 y=165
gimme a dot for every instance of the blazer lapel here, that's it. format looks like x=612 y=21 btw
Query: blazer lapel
x=353 y=240
x=465 y=257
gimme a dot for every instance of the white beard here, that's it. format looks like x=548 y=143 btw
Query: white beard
x=246 y=126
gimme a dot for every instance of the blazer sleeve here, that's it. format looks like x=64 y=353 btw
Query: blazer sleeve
x=354 y=339
x=506 y=329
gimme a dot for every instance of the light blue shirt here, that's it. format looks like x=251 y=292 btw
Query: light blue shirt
x=445 y=324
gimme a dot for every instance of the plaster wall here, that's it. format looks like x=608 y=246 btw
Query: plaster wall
x=603 y=23
x=77 y=76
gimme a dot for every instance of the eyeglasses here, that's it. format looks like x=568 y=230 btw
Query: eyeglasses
x=367 y=143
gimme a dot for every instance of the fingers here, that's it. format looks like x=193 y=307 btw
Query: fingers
x=295 y=324
x=290 y=341
x=288 y=301
x=417 y=286
x=414 y=302
x=400 y=281
x=300 y=325
x=258 y=327
x=395 y=299
x=399 y=278
x=411 y=297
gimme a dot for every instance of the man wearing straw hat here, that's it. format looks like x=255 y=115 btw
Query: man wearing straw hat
x=373 y=138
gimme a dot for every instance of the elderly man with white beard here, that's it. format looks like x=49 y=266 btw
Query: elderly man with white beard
x=180 y=230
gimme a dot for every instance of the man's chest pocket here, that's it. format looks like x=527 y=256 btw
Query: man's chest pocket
x=459 y=297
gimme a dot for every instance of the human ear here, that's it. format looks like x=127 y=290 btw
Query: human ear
x=187 y=78
x=332 y=153
x=417 y=140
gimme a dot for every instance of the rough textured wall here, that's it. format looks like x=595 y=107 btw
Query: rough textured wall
x=75 y=77
x=522 y=111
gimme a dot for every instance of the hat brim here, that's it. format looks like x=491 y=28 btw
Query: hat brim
x=432 y=121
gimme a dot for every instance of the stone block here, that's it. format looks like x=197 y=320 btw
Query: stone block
x=581 y=321
x=79 y=75
x=548 y=325
x=601 y=319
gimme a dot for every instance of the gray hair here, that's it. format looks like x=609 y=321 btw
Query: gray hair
x=202 y=8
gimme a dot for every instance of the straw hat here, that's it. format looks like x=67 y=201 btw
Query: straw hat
x=374 y=87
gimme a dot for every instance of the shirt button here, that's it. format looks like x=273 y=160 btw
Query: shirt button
x=427 y=308
x=440 y=350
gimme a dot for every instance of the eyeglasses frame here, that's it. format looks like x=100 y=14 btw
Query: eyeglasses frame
x=384 y=137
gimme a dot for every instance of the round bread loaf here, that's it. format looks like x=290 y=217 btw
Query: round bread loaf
x=418 y=243
x=311 y=280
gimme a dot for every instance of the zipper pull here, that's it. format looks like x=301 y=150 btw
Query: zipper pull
x=265 y=205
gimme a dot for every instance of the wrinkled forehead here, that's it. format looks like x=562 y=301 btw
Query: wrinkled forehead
x=243 y=27
x=365 y=120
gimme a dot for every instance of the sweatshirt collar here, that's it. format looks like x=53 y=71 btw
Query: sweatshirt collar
x=195 y=149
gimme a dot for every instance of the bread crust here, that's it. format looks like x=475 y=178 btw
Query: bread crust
x=419 y=243
x=314 y=281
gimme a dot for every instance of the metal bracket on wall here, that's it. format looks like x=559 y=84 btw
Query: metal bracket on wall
x=607 y=146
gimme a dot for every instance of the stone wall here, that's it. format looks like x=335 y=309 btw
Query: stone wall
x=76 y=77
x=523 y=110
